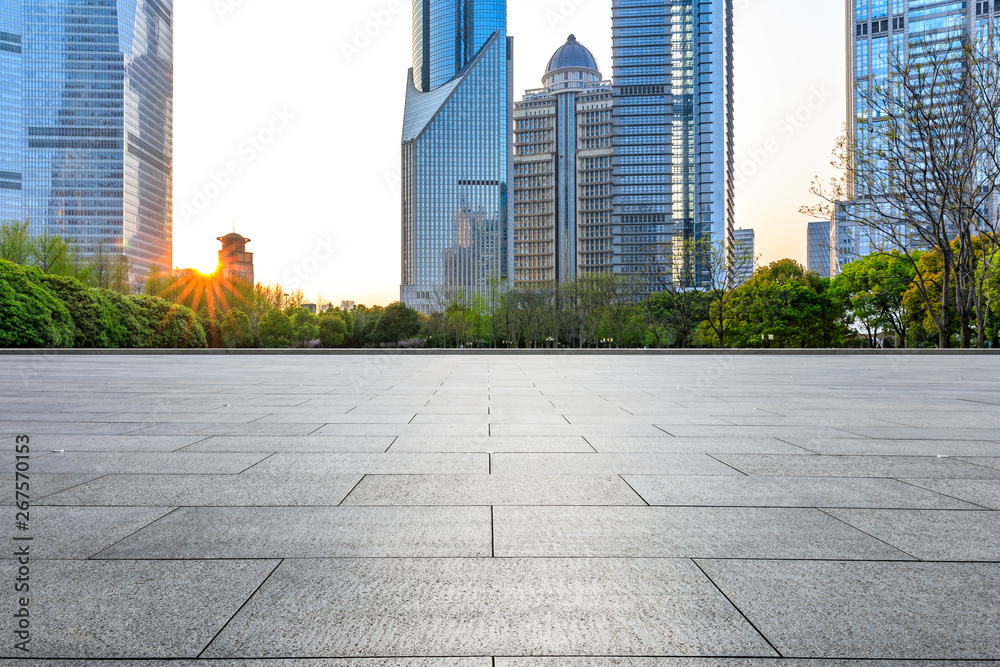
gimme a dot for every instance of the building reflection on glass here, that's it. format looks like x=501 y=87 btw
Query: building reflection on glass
x=86 y=130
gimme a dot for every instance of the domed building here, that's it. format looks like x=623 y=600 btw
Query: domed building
x=234 y=260
x=562 y=172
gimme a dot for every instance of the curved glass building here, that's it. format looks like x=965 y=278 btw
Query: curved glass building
x=457 y=152
x=86 y=130
x=562 y=172
x=674 y=142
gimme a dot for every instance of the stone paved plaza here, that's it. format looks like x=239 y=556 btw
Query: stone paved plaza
x=506 y=510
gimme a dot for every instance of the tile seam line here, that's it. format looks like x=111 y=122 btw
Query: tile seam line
x=853 y=527
x=237 y=612
x=910 y=481
x=695 y=562
x=94 y=556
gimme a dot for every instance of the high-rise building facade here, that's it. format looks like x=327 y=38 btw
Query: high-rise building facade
x=562 y=173
x=673 y=116
x=820 y=248
x=457 y=152
x=86 y=123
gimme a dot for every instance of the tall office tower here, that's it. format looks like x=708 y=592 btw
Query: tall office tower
x=86 y=123
x=562 y=172
x=457 y=152
x=745 y=241
x=880 y=32
x=673 y=113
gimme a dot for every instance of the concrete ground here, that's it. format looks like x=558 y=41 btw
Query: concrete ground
x=508 y=511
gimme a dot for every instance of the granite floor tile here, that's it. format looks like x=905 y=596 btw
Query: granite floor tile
x=982 y=492
x=935 y=535
x=178 y=463
x=901 y=610
x=856 y=466
x=564 y=429
x=132 y=609
x=275 y=490
x=492 y=490
x=718 y=491
x=680 y=532
x=300 y=662
x=899 y=447
x=781 y=432
x=670 y=445
x=447 y=443
x=509 y=607
x=377 y=464
x=615 y=463
x=720 y=662
x=81 y=532
x=312 y=532
x=109 y=443
x=287 y=443
x=228 y=429
x=41 y=485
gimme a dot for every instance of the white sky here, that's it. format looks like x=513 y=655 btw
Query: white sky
x=317 y=188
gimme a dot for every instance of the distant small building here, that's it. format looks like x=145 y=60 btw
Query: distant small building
x=347 y=306
x=311 y=307
x=746 y=242
x=234 y=260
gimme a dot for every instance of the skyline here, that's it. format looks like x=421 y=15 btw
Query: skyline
x=251 y=133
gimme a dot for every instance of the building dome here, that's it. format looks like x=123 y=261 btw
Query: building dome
x=572 y=55
x=572 y=67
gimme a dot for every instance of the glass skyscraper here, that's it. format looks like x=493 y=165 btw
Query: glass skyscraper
x=562 y=172
x=86 y=123
x=673 y=116
x=457 y=152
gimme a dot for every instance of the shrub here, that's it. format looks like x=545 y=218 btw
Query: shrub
x=98 y=321
x=169 y=325
x=30 y=314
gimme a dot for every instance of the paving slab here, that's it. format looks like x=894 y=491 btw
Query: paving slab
x=178 y=463
x=900 y=447
x=41 y=485
x=509 y=607
x=681 y=532
x=447 y=443
x=132 y=609
x=871 y=610
x=935 y=535
x=857 y=466
x=720 y=491
x=303 y=662
x=261 y=490
x=81 y=532
x=288 y=443
x=312 y=532
x=670 y=445
x=377 y=464
x=108 y=443
x=493 y=490
x=982 y=492
x=615 y=463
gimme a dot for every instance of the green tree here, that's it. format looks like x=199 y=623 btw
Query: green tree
x=305 y=325
x=873 y=289
x=398 y=322
x=332 y=329
x=275 y=329
x=236 y=330
x=15 y=242
x=168 y=325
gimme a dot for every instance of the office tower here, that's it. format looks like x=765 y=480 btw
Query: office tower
x=673 y=113
x=457 y=152
x=745 y=241
x=86 y=123
x=562 y=172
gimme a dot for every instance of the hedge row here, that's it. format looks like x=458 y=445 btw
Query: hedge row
x=39 y=310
